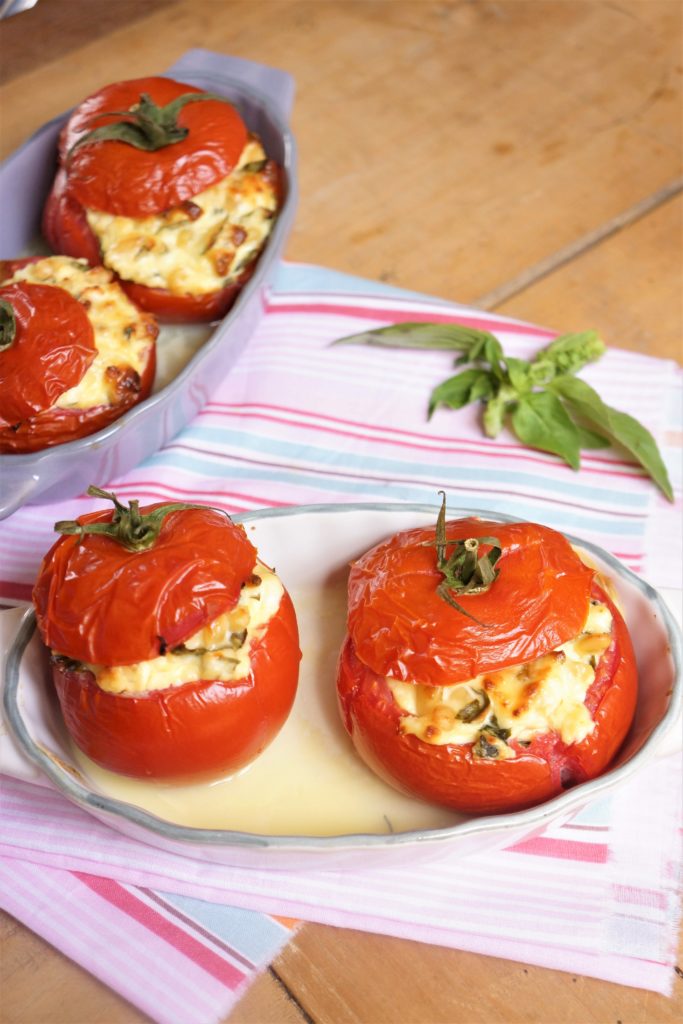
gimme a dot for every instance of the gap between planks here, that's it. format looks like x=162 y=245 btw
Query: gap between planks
x=305 y=1016
x=497 y=296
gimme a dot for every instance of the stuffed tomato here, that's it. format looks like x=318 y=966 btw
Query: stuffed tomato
x=164 y=184
x=485 y=667
x=174 y=649
x=76 y=353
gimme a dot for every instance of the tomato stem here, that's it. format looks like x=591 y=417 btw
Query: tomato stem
x=145 y=125
x=464 y=571
x=129 y=527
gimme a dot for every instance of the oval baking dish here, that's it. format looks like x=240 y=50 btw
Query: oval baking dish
x=263 y=96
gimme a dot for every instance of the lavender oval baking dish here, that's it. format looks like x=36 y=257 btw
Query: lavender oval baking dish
x=264 y=97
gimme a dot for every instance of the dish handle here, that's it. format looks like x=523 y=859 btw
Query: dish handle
x=273 y=84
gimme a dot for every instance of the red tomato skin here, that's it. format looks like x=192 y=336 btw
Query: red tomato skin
x=53 y=347
x=186 y=308
x=125 y=181
x=450 y=776
x=58 y=426
x=99 y=603
x=65 y=225
x=401 y=627
x=66 y=229
x=201 y=729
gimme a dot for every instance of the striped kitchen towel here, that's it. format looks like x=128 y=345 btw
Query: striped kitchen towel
x=177 y=958
x=299 y=421
x=595 y=892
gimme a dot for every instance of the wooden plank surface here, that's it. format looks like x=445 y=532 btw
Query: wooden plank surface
x=522 y=154
x=445 y=147
x=415 y=984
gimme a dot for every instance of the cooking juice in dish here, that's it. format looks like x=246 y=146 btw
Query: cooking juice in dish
x=309 y=781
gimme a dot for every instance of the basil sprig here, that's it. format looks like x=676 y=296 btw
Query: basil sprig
x=145 y=125
x=546 y=405
x=8 y=325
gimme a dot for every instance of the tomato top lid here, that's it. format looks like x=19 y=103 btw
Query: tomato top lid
x=46 y=345
x=100 y=602
x=189 y=143
x=402 y=625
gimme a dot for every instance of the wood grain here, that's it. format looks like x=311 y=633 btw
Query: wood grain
x=445 y=147
x=629 y=288
x=380 y=980
x=39 y=984
x=67 y=24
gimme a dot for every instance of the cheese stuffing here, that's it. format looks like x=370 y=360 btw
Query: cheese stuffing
x=515 y=703
x=220 y=650
x=202 y=245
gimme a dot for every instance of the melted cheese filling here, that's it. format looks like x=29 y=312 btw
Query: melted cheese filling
x=220 y=650
x=202 y=245
x=122 y=334
x=516 y=703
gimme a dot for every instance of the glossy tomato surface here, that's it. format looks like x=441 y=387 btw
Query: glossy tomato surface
x=450 y=775
x=120 y=179
x=65 y=225
x=52 y=353
x=401 y=627
x=207 y=728
x=99 y=603
x=52 y=349
x=57 y=426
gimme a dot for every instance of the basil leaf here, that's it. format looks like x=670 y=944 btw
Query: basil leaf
x=483 y=387
x=420 y=335
x=619 y=426
x=518 y=372
x=493 y=353
x=457 y=391
x=541 y=421
x=589 y=439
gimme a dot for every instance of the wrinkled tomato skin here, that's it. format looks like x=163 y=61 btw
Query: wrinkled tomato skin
x=402 y=628
x=126 y=181
x=99 y=603
x=57 y=426
x=66 y=229
x=450 y=776
x=53 y=348
x=201 y=729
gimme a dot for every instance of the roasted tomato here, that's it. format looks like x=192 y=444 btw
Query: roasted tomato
x=174 y=650
x=77 y=352
x=163 y=184
x=485 y=669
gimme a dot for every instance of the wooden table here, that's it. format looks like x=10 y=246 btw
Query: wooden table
x=521 y=155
